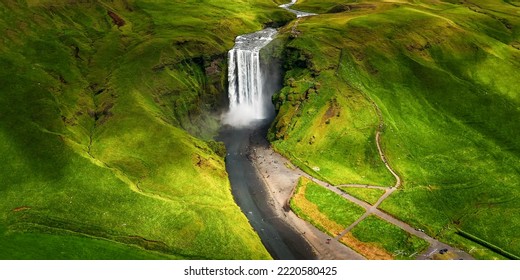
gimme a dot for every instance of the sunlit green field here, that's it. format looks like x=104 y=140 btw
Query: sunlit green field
x=323 y=208
x=395 y=241
x=367 y=195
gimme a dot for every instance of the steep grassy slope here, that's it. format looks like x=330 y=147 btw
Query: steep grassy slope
x=94 y=100
x=445 y=77
x=324 y=126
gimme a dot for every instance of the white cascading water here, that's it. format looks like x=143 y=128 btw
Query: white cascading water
x=298 y=14
x=249 y=100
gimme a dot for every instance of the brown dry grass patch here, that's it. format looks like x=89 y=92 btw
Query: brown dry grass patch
x=370 y=250
x=21 y=208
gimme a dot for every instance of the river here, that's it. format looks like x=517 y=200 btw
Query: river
x=280 y=239
x=251 y=85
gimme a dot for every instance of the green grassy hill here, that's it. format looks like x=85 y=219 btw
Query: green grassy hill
x=445 y=76
x=96 y=98
x=107 y=110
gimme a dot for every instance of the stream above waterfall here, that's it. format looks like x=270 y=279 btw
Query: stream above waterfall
x=296 y=12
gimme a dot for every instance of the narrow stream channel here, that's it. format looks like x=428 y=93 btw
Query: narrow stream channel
x=251 y=85
x=281 y=240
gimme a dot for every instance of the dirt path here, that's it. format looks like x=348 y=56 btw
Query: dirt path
x=380 y=127
x=370 y=210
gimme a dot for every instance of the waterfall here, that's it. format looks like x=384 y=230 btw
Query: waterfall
x=249 y=91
